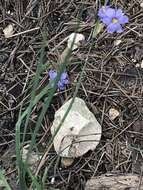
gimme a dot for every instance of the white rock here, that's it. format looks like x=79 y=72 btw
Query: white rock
x=137 y=65
x=141 y=5
x=117 y=42
x=80 y=131
x=53 y=180
x=113 y=113
x=133 y=60
x=66 y=162
x=142 y=64
x=8 y=31
x=74 y=40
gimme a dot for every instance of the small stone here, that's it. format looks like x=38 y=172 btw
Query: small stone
x=137 y=65
x=67 y=161
x=80 y=131
x=33 y=157
x=52 y=180
x=141 y=5
x=75 y=40
x=113 y=113
x=117 y=42
x=142 y=64
x=134 y=60
x=8 y=31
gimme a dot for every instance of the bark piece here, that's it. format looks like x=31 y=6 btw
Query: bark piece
x=115 y=182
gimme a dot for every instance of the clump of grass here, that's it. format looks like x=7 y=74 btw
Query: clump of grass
x=24 y=170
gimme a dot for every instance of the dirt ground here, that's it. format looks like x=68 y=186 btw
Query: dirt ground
x=113 y=78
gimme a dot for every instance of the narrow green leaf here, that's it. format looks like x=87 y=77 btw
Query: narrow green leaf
x=3 y=181
x=97 y=29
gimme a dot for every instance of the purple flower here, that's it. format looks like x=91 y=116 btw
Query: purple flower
x=102 y=11
x=113 y=18
x=63 y=79
x=52 y=74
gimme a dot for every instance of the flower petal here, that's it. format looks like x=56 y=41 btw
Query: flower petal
x=66 y=81
x=52 y=74
x=64 y=76
x=107 y=20
x=102 y=11
x=119 y=28
x=61 y=86
x=119 y=13
x=111 y=28
x=110 y=12
x=123 y=19
x=114 y=27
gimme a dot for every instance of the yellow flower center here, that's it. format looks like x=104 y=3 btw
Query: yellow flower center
x=114 y=20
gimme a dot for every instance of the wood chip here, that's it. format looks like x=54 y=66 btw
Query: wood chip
x=115 y=182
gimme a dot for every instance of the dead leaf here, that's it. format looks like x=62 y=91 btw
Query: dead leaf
x=67 y=161
x=8 y=31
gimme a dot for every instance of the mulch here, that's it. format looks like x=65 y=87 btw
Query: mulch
x=111 y=79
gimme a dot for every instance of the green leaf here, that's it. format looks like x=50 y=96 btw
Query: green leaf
x=52 y=188
x=3 y=181
x=97 y=28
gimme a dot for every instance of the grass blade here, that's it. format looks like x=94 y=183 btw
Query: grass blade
x=3 y=181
